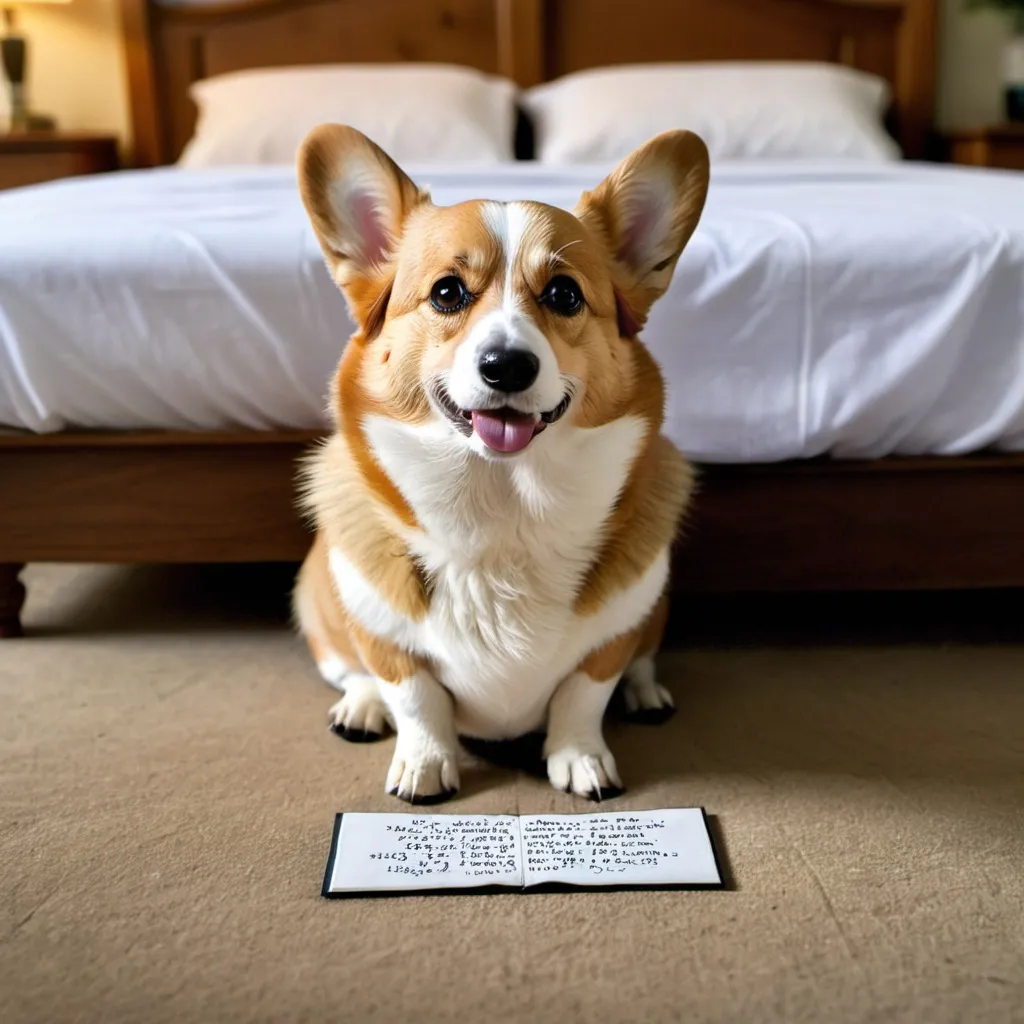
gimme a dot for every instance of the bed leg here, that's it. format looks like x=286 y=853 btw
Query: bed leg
x=12 y=597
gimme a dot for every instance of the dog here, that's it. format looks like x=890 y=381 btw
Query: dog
x=495 y=510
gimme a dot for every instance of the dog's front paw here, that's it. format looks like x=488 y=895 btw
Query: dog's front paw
x=645 y=700
x=586 y=772
x=423 y=777
x=360 y=716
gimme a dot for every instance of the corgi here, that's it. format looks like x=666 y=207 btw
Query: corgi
x=495 y=510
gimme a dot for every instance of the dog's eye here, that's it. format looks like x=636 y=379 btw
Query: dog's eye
x=562 y=296
x=449 y=295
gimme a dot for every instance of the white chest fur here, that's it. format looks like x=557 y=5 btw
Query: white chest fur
x=506 y=543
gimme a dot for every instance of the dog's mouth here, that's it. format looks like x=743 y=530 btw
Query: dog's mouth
x=504 y=430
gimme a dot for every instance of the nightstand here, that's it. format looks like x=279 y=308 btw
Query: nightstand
x=999 y=145
x=35 y=157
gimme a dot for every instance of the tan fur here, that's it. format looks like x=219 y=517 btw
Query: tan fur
x=684 y=157
x=409 y=344
x=645 y=519
x=338 y=635
x=351 y=403
x=319 y=160
x=609 y=660
x=402 y=342
x=330 y=633
x=317 y=647
x=649 y=510
x=384 y=660
x=353 y=519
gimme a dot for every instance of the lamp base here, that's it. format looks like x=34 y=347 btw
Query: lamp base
x=13 y=57
x=32 y=124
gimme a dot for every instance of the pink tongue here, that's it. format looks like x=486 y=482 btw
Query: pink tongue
x=504 y=430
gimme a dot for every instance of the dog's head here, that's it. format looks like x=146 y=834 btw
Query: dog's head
x=499 y=319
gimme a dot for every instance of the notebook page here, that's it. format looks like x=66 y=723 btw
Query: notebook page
x=668 y=847
x=405 y=852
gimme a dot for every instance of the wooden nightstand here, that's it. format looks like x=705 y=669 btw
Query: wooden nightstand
x=999 y=145
x=35 y=157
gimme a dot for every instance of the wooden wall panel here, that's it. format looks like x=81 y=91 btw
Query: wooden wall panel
x=578 y=36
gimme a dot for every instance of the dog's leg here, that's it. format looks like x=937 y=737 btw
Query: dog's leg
x=646 y=701
x=425 y=768
x=333 y=669
x=360 y=716
x=321 y=620
x=579 y=760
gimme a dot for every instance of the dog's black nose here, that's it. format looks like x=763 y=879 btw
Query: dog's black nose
x=509 y=369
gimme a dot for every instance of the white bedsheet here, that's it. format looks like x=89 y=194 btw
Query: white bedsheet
x=852 y=311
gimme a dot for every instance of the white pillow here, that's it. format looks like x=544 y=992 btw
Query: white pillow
x=425 y=113
x=743 y=111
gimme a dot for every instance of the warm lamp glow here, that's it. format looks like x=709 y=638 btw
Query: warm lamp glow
x=6 y=7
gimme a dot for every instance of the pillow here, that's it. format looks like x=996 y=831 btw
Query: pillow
x=743 y=111
x=416 y=112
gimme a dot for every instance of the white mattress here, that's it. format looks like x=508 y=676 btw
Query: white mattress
x=855 y=312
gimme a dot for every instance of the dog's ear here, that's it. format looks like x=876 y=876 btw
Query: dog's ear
x=357 y=198
x=645 y=212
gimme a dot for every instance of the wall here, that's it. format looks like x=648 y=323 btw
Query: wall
x=76 y=64
x=77 y=70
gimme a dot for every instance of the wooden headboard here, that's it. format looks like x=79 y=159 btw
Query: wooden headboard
x=170 y=46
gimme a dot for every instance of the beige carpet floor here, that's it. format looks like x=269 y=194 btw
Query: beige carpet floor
x=168 y=785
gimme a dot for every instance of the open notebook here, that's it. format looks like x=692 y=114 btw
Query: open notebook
x=397 y=854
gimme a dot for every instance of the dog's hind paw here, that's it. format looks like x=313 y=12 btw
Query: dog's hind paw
x=588 y=773
x=360 y=716
x=645 y=701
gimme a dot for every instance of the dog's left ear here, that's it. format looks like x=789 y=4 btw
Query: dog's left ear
x=645 y=212
x=357 y=199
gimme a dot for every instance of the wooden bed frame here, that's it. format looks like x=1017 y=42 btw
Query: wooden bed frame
x=195 y=497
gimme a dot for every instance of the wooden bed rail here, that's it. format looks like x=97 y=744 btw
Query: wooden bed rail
x=921 y=523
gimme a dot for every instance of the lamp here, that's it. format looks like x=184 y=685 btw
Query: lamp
x=14 y=51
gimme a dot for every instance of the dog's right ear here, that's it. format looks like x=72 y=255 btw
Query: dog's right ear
x=357 y=198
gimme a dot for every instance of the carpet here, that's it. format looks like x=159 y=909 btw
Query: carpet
x=168 y=786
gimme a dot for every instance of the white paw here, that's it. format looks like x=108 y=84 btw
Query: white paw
x=646 y=700
x=423 y=773
x=586 y=771
x=360 y=716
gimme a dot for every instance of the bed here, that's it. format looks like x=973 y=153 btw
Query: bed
x=888 y=461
